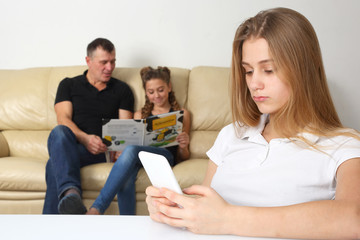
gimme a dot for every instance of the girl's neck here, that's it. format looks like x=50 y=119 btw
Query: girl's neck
x=269 y=131
x=160 y=110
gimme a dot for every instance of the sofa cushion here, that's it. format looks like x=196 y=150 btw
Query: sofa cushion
x=203 y=141
x=22 y=174
x=4 y=149
x=28 y=144
x=23 y=97
x=93 y=177
x=209 y=98
x=209 y=103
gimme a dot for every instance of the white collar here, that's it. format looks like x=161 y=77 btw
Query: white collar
x=246 y=132
x=249 y=132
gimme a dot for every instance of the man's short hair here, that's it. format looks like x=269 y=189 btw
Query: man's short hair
x=100 y=42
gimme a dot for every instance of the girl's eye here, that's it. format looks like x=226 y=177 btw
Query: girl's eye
x=268 y=71
x=247 y=70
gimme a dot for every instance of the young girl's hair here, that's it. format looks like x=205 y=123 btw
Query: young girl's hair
x=163 y=73
x=295 y=50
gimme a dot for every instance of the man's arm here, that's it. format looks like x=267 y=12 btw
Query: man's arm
x=63 y=112
x=93 y=143
x=125 y=114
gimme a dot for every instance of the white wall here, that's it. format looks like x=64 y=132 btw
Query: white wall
x=178 y=33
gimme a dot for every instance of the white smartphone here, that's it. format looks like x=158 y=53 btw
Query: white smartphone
x=159 y=171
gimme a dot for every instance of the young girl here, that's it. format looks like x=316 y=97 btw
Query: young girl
x=121 y=181
x=285 y=167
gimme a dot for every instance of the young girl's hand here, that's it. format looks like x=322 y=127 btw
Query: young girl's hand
x=114 y=155
x=183 y=140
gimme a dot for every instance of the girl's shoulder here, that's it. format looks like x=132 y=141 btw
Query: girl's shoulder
x=340 y=140
x=186 y=114
x=227 y=131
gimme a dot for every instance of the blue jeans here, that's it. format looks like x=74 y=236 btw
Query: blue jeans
x=122 y=178
x=67 y=156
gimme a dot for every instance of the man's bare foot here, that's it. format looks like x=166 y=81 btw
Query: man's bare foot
x=93 y=211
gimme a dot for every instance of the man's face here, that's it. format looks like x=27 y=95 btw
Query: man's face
x=101 y=65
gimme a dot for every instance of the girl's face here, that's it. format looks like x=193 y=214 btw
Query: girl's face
x=157 y=91
x=268 y=91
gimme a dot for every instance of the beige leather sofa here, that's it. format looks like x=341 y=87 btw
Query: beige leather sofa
x=27 y=117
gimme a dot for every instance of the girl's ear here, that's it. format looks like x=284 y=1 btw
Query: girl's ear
x=170 y=88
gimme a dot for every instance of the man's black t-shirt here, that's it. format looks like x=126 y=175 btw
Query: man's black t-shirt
x=90 y=105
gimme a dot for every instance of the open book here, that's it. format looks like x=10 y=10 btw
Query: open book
x=158 y=131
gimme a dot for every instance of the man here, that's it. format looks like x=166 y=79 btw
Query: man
x=80 y=105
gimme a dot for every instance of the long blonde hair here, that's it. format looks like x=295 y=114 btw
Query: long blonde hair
x=295 y=49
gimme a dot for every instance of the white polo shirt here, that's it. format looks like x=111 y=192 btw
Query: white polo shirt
x=253 y=172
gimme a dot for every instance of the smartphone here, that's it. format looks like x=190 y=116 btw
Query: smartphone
x=159 y=171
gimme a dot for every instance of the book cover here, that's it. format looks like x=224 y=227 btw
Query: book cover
x=157 y=131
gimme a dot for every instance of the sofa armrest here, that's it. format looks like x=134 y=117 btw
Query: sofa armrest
x=4 y=147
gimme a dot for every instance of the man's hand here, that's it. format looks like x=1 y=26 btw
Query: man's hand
x=94 y=144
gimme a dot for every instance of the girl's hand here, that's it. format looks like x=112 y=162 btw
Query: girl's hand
x=153 y=197
x=114 y=155
x=183 y=140
x=117 y=154
x=206 y=213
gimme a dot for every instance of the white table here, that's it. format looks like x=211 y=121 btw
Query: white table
x=78 y=227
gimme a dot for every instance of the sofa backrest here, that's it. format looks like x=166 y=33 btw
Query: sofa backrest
x=209 y=104
x=27 y=104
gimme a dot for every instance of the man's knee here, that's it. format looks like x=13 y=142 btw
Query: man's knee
x=61 y=133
